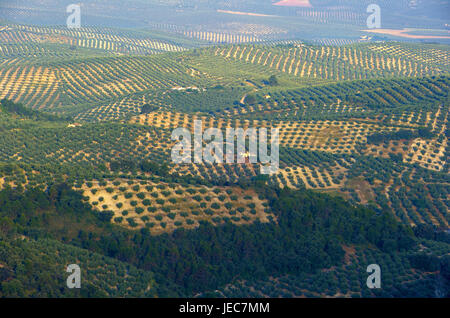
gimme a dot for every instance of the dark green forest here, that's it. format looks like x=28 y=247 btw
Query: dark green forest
x=307 y=237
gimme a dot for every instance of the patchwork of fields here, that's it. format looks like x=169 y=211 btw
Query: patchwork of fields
x=86 y=122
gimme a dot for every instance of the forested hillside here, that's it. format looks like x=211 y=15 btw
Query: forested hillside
x=305 y=239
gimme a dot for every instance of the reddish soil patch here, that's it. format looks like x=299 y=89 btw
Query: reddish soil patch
x=350 y=253
x=294 y=3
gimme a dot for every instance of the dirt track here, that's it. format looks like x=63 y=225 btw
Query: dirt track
x=403 y=33
x=245 y=13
